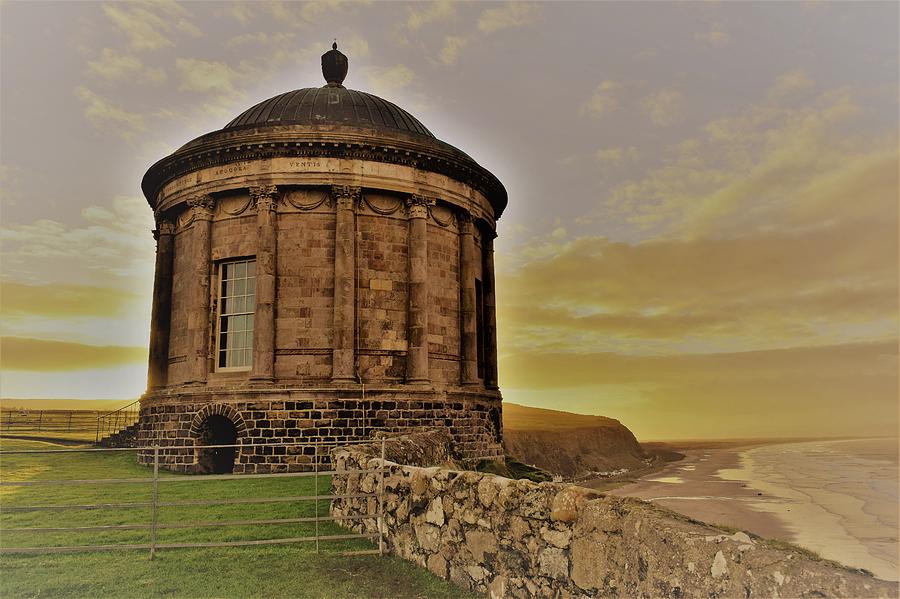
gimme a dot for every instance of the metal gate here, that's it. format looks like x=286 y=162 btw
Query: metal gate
x=157 y=506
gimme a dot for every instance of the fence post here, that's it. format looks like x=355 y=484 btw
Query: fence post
x=155 y=501
x=316 y=477
x=97 y=436
x=69 y=425
x=40 y=419
x=8 y=420
x=381 y=502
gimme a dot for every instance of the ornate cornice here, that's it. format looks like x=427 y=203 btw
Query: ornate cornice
x=220 y=148
x=264 y=197
x=346 y=197
x=202 y=206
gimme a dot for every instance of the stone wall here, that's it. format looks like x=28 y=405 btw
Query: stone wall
x=507 y=538
x=330 y=417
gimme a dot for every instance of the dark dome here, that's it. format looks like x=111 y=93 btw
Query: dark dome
x=329 y=105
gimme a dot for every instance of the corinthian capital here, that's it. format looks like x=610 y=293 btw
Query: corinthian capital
x=202 y=206
x=417 y=206
x=264 y=197
x=464 y=219
x=163 y=227
x=345 y=196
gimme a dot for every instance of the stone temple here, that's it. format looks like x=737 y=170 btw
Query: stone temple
x=324 y=271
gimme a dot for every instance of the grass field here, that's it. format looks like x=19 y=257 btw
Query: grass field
x=294 y=570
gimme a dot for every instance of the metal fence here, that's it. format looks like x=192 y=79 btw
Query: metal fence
x=111 y=423
x=12 y=421
x=100 y=424
x=155 y=505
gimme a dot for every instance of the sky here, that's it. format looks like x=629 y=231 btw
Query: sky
x=702 y=233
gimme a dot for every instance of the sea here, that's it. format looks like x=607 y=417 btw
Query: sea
x=838 y=498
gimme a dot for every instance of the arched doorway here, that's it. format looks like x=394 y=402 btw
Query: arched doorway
x=216 y=430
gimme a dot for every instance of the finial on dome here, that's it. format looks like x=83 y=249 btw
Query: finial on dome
x=334 y=66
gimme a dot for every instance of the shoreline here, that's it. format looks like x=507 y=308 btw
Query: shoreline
x=690 y=486
x=784 y=491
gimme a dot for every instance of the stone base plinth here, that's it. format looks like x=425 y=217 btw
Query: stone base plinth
x=289 y=422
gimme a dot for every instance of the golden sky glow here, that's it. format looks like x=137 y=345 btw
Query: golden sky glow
x=702 y=237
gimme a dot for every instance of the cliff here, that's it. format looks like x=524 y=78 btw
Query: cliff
x=570 y=445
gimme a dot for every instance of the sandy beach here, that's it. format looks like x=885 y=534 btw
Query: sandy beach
x=837 y=498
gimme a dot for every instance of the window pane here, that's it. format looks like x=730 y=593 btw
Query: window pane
x=237 y=302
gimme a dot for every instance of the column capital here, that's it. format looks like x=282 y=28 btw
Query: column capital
x=417 y=206
x=464 y=219
x=163 y=227
x=264 y=197
x=202 y=206
x=346 y=197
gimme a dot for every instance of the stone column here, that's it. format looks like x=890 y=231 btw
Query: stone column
x=417 y=316
x=161 y=312
x=468 y=358
x=490 y=309
x=202 y=208
x=343 y=359
x=265 y=198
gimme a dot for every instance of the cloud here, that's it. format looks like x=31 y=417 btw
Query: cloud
x=511 y=15
x=433 y=12
x=612 y=158
x=704 y=294
x=714 y=37
x=792 y=82
x=768 y=166
x=665 y=107
x=262 y=38
x=112 y=243
x=387 y=81
x=114 y=66
x=207 y=76
x=21 y=353
x=786 y=392
x=149 y=25
x=104 y=116
x=63 y=300
x=605 y=99
x=453 y=45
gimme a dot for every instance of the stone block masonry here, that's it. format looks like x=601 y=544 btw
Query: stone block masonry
x=508 y=538
x=328 y=417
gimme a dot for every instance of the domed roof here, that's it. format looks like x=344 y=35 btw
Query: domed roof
x=328 y=121
x=329 y=105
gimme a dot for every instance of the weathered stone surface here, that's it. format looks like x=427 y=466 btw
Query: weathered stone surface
x=438 y=565
x=602 y=546
x=565 y=504
x=554 y=563
x=435 y=513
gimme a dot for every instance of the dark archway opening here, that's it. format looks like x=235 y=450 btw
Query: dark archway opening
x=216 y=430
